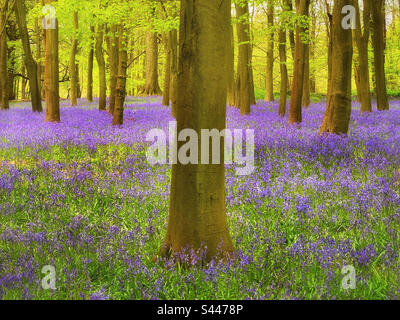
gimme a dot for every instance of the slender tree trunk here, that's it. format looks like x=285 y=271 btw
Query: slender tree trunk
x=23 y=83
x=151 y=86
x=378 y=41
x=295 y=112
x=338 y=109
x=72 y=63
x=269 y=77
x=39 y=64
x=284 y=73
x=90 y=68
x=120 y=94
x=102 y=69
x=243 y=78
x=51 y=73
x=362 y=66
x=231 y=68
x=113 y=54
x=289 y=6
x=312 y=51
x=4 y=104
x=305 y=101
x=173 y=43
x=197 y=214
x=167 y=70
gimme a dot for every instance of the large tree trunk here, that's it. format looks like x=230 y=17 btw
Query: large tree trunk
x=338 y=109
x=72 y=63
x=312 y=51
x=113 y=54
x=173 y=43
x=51 y=73
x=289 y=7
x=378 y=41
x=167 y=70
x=31 y=65
x=4 y=104
x=269 y=76
x=102 y=69
x=151 y=86
x=284 y=73
x=197 y=214
x=90 y=68
x=243 y=78
x=362 y=68
x=295 y=112
x=120 y=92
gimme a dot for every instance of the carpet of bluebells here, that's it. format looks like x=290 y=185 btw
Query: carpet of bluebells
x=81 y=196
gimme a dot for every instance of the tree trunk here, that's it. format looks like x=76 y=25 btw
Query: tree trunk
x=120 y=92
x=295 y=112
x=113 y=54
x=362 y=66
x=23 y=83
x=51 y=73
x=197 y=214
x=243 y=78
x=151 y=86
x=231 y=68
x=289 y=6
x=102 y=69
x=72 y=63
x=269 y=77
x=305 y=100
x=173 y=43
x=378 y=41
x=338 y=109
x=4 y=104
x=167 y=70
x=284 y=73
x=90 y=68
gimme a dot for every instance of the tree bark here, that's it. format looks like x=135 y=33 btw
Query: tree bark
x=72 y=63
x=295 y=112
x=231 y=70
x=269 y=76
x=151 y=86
x=4 y=103
x=197 y=214
x=167 y=70
x=102 y=69
x=284 y=73
x=338 y=109
x=120 y=92
x=378 y=41
x=243 y=78
x=173 y=43
x=362 y=66
x=90 y=68
x=305 y=100
x=113 y=54
x=51 y=73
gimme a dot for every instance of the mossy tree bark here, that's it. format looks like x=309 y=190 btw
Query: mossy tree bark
x=4 y=104
x=231 y=69
x=151 y=86
x=284 y=73
x=72 y=63
x=30 y=63
x=378 y=41
x=243 y=77
x=197 y=214
x=173 y=44
x=167 y=70
x=120 y=93
x=295 y=112
x=113 y=55
x=51 y=73
x=269 y=76
x=338 y=109
x=102 y=69
x=89 y=94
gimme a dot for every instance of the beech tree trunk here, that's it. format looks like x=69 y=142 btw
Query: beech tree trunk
x=51 y=73
x=120 y=92
x=4 y=104
x=173 y=43
x=378 y=41
x=361 y=38
x=72 y=63
x=113 y=54
x=269 y=76
x=305 y=100
x=338 y=109
x=197 y=214
x=231 y=70
x=295 y=112
x=102 y=69
x=243 y=78
x=151 y=86
x=284 y=73
x=90 y=68
x=167 y=70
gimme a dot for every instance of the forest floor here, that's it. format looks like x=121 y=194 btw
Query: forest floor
x=81 y=196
